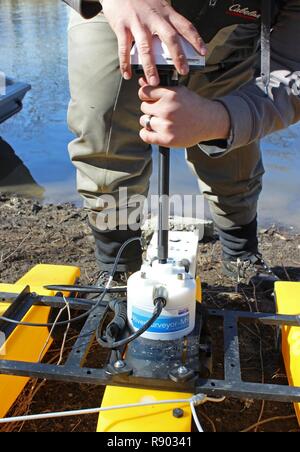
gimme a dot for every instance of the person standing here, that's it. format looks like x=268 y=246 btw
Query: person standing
x=249 y=88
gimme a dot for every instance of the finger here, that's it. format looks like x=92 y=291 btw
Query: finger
x=150 y=109
x=148 y=93
x=150 y=137
x=125 y=41
x=189 y=32
x=155 y=138
x=170 y=37
x=155 y=123
x=142 y=82
x=143 y=41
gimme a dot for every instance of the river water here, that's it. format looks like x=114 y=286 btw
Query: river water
x=33 y=48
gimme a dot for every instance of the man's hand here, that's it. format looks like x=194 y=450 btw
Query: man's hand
x=137 y=21
x=181 y=118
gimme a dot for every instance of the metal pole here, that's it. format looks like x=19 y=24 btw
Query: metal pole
x=168 y=78
x=164 y=206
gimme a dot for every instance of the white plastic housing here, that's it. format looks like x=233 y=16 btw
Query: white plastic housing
x=178 y=317
x=163 y=57
x=182 y=245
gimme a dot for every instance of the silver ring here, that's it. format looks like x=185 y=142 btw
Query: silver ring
x=148 y=123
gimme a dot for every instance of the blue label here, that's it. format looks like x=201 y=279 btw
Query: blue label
x=163 y=324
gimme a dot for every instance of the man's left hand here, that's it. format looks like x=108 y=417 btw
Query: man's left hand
x=180 y=118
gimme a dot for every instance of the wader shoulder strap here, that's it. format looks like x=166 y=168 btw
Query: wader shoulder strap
x=266 y=24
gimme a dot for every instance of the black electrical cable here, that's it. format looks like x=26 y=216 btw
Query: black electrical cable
x=87 y=313
x=87 y=289
x=159 y=306
x=118 y=324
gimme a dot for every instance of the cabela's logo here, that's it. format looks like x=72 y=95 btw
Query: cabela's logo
x=241 y=11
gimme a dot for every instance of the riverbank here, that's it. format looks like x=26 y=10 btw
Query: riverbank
x=58 y=234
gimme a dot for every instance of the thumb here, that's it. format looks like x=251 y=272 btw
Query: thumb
x=151 y=94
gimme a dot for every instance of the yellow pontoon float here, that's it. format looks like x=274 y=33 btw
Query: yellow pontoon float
x=288 y=303
x=22 y=343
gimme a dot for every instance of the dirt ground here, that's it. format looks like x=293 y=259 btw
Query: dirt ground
x=32 y=234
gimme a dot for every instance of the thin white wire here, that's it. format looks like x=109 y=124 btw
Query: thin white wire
x=67 y=307
x=90 y=411
x=62 y=349
x=196 y=419
x=199 y=399
x=50 y=332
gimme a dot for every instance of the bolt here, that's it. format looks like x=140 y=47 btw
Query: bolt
x=180 y=276
x=178 y=413
x=119 y=364
x=143 y=275
x=182 y=370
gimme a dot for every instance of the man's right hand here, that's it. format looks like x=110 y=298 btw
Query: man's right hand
x=137 y=21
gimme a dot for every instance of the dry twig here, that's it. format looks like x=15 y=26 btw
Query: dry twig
x=267 y=421
x=5 y=258
x=208 y=419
